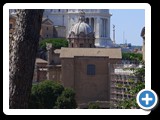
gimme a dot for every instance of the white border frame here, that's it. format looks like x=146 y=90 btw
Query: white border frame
x=8 y=6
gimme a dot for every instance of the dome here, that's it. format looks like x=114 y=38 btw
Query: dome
x=81 y=27
x=81 y=34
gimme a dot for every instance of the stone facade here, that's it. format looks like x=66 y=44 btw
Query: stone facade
x=54 y=63
x=50 y=69
x=74 y=72
x=40 y=71
x=69 y=66
x=61 y=31
x=54 y=73
x=87 y=87
x=47 y=29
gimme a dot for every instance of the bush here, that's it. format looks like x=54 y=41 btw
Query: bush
x=93 y=106
x=132 y=56
x=57 y=43
x=45 y=94
x=49 y=94
x=66 y=100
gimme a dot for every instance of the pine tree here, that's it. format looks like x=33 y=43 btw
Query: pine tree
x=23 y=48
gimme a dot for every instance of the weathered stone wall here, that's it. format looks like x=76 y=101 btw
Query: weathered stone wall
x=91 y=87
x=46 y=31
x=54 y=73
x=68 y=72
x=87 y=87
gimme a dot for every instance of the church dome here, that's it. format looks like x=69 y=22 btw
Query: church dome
x=81 y=27
x=81 y=34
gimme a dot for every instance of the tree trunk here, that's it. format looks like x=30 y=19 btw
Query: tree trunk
x=23 y=49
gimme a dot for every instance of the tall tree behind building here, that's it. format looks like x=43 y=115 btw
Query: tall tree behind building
x=23 y=48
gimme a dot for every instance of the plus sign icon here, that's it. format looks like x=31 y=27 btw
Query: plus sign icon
x=147 y=99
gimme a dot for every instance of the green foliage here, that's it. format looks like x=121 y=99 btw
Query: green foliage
x=131 y=103
x=130 y=80
x=140 y=73
x=45 y=94
x=128 y=104
x=119 y=85
x=132 y=56
x=57 y=43
x=66 y=99
x=137 y=87
x=49 y=94
x=93 y=106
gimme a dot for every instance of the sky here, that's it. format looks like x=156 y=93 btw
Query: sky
x=128 y=25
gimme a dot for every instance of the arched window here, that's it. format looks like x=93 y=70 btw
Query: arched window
x=87 y=20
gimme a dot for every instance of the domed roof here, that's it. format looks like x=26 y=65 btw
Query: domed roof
x=81 y=27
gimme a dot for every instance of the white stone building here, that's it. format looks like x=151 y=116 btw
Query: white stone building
x=98 y=19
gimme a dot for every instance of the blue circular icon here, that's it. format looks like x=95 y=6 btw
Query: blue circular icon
x=147 y=99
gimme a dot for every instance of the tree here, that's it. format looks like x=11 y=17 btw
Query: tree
x=49 y=95
x=137 y=57
x=44 y=94
x=57 y=43
x=66 y=100
x=23 y=48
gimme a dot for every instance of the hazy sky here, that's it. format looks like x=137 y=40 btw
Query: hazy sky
x=128 y=22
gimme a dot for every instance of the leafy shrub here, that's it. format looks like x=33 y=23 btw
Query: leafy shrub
x=132 y=56
x=93 y=106
x=49 y=94
x=45 y=94
x=66 y=99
